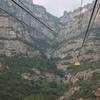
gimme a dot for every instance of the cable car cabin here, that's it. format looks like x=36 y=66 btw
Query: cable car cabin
x=77 y=62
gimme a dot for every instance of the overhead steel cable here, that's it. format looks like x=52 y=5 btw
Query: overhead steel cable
x=55 y=33
x=21 y=22
x=88 y=27
x=95 y=16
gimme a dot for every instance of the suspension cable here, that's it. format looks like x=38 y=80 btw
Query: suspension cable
x=95 y=16
x=20 y=21
x=92 y=14
x=26 y=10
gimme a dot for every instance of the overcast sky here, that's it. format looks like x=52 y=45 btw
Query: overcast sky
x=57 y=7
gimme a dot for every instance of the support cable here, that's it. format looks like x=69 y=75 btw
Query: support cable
x=92 y=14
x=30 y=13
x=20 y=21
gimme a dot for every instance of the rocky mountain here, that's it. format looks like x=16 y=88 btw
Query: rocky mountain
x=36 y=63
x=25 y=28
x=22 y=33
x=22 y=27
x=25 y=71
x=71 y=37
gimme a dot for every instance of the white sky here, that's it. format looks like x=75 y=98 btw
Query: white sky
x=57 y=7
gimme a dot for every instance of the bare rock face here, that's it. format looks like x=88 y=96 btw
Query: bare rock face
x=29 y=32
x=71 y=37
x=23 y=28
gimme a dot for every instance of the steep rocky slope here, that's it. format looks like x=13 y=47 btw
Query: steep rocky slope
x=71 y=37
x=23 y=27
x=68 y=36
x=25 y=72
x=36 y=63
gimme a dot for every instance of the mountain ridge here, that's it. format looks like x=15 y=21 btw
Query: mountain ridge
x=37 y=64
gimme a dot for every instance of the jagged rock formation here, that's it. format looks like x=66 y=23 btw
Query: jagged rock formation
x=29 y=32
x=25 y=41
x=23 y=27
x=71 y=38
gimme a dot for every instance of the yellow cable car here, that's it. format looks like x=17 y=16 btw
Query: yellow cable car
x=77 y=62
